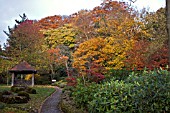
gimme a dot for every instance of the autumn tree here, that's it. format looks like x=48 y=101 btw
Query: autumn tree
x=162 y=26
x=11 y=30
x=117 y=26
x=24 y=43
x=137 y=56
x=50 y=22
x=155 y=23
x=5 y=65
x=63 y=38
x=65 y=35
x=55 y=59
x=159 y=58
x=87 y=53
x=83 y=20
x=146 y=49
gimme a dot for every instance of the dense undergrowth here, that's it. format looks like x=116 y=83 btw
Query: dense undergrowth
x=143 y=92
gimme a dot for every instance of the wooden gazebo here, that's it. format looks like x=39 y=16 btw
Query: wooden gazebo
x=22 y=68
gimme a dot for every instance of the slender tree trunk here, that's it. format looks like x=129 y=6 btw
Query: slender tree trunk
x=7 y=79
x=66 y=64
x=52 y=71
x=168 y=27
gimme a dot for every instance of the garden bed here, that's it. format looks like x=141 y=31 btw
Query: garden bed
x=33 y=104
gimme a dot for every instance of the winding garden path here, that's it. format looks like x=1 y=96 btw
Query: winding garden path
x=51 y=103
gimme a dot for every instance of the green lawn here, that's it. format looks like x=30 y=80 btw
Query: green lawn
x=36 y=99
x=3 y=87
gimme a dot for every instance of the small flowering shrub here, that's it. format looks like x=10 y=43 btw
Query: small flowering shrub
x=95 y=73
x=94 y=76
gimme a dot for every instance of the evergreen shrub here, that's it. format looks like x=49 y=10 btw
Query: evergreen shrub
x=144 y=92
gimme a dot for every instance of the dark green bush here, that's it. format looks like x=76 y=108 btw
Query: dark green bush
x=144 y=92
x=151 y=91
x=13 y=99
x=18 y=88
x=25 y=94
x=2 y=105
x=84 y=93
x=0 y=96
x=21 y=99
x=31 y=90
x=112 y=97
x=9 y=99
x=5 y=92
x=120 y=74
x=43 y=80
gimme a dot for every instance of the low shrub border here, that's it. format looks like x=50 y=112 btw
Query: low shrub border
x=146 y=92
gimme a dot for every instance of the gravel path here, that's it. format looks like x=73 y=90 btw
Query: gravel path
x=51 y=103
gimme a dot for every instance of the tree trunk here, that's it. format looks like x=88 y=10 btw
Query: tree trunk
x=68 y=73
x=168 y=27
x=52 y=71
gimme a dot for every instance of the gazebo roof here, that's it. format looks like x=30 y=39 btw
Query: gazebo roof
x=23 y=68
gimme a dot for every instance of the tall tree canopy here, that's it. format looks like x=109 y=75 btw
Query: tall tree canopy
x=25 y=42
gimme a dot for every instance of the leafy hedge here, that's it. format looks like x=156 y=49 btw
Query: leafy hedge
x=151 y=91
x=82 y=95
x=112 y=96
x=147 y=92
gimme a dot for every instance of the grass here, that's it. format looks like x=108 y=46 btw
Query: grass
x=12 y=110
x=36 y=99
x=3 y=87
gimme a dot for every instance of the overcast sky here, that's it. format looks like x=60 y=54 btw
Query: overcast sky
x=37 y=9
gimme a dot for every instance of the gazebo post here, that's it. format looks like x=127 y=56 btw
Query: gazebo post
x=32 y=79
x=22 y=68
x=12 y=83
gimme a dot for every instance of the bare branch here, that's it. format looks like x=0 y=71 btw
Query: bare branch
x=133 y=1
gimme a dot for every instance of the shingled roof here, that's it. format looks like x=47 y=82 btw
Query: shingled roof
x=23 y=68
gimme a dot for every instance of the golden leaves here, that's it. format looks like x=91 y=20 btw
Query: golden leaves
x=109 y=52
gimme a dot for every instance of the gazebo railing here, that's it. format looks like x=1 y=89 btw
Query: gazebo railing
x=22 y=82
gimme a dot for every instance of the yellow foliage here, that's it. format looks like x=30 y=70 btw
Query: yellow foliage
x=63 y=35
x=115 y=52
x=29 y=76
x=88 y=52
x=109 y=52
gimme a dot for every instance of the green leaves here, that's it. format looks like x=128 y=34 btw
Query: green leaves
x=148 y=92
x=151 y=91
